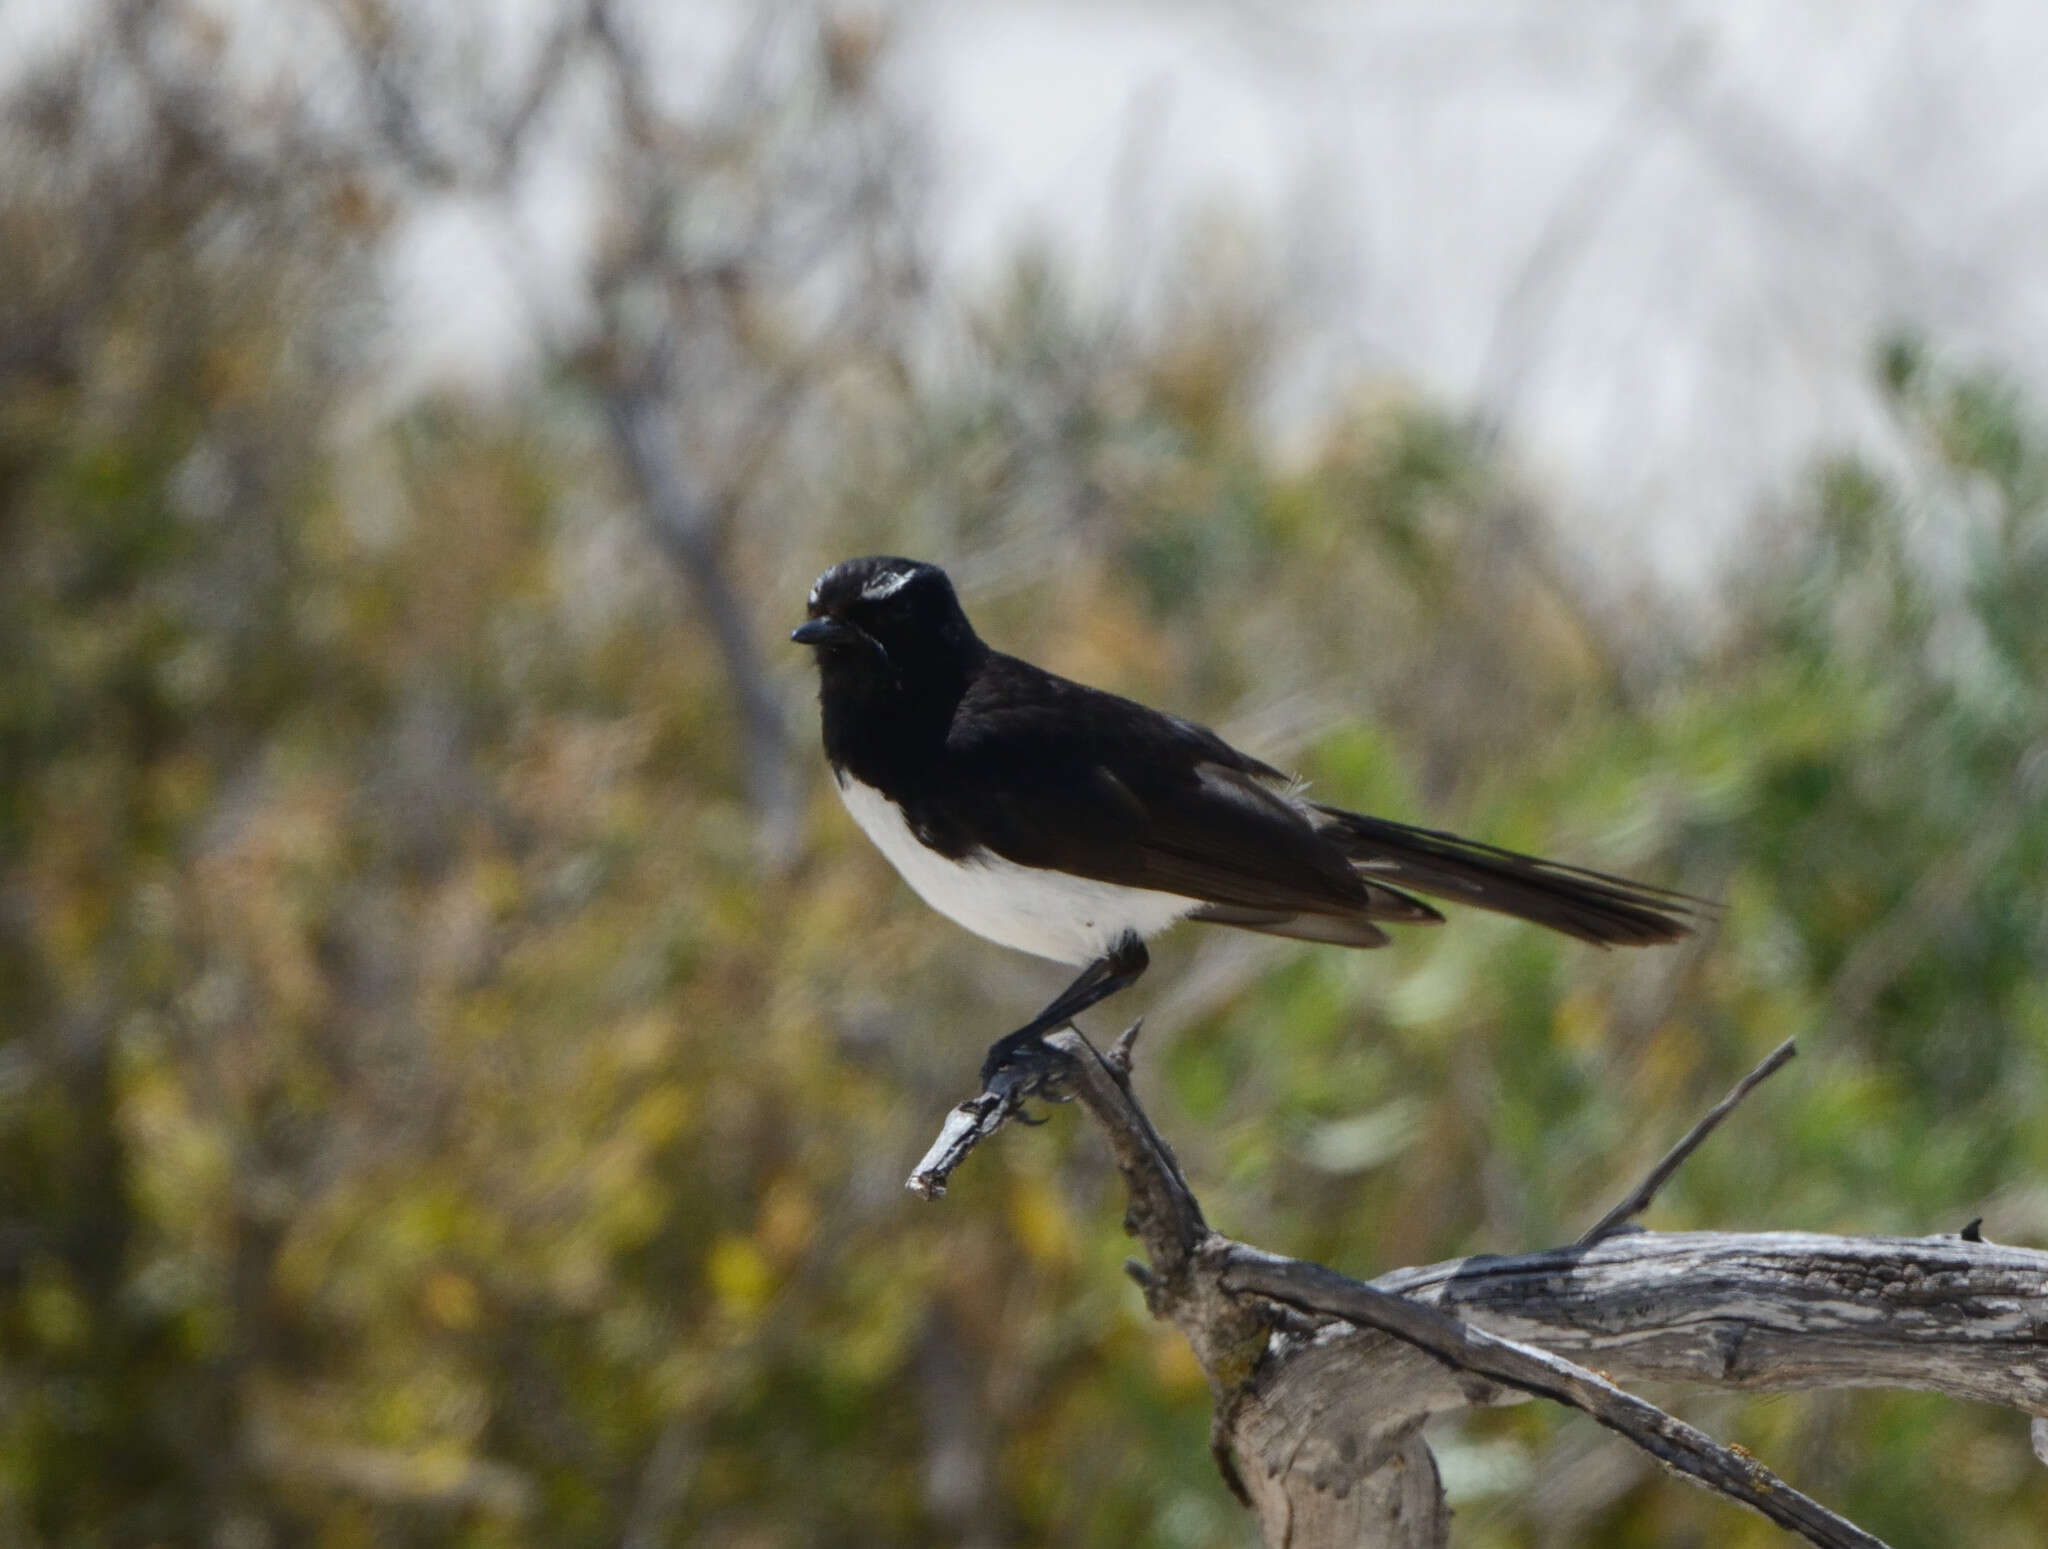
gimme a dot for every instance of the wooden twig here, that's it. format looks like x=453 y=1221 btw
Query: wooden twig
x=1171 y=1221
x=1638 y=1199
x=969 y=1123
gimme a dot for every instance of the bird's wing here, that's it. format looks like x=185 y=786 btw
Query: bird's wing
x=1053 y=774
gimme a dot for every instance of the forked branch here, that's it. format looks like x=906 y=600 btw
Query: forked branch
x=1322 y=1383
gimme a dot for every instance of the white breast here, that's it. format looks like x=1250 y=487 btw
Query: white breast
x=1047 y=913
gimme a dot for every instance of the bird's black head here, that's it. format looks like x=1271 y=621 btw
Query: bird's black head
x=886 y=619
x=895 y=655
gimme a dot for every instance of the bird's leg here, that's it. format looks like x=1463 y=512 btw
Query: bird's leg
x=1119 y=967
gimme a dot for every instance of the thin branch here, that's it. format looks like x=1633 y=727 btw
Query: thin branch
x=970 y=1123
x=509 y=135
x=393 y=103
x=1163 y=1207
x=643 y=430
x=1638 y=1199
x=1311 y=1288
x=389 y=105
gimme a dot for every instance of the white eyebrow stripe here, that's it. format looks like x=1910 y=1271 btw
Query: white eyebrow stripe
x=888 y=584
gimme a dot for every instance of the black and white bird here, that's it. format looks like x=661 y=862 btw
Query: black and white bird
x=1068 y=822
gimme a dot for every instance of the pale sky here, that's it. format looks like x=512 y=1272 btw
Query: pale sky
x=1655 y=243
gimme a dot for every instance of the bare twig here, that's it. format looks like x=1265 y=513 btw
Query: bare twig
x=392 y=102
x=1638 y=1199
x=1122 y=1051
x=1163 y=1208
x=969 y=1124
x=643 y=428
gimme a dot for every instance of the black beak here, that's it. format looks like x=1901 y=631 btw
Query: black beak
x=824 y=631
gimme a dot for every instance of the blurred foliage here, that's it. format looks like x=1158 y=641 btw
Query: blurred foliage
x=424 y=1119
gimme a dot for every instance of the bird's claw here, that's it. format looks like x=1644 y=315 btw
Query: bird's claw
x=1026 y=1068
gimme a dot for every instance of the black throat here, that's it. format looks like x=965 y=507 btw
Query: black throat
x=886 y=710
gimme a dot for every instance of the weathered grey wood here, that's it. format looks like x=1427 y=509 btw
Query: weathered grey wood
x=1771 y=1311
x=1467 y=1351
x=1319 y=1414
x=1398 y=1504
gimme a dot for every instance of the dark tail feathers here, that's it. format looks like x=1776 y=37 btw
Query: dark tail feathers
x=1590 y=905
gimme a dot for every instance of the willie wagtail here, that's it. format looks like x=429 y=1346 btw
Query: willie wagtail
x=1071 y=823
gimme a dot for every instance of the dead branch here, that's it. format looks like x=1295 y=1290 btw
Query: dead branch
x=1322 y=1383
x=1638 y=1198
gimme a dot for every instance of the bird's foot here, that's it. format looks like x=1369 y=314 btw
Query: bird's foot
x=1024 y=1065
